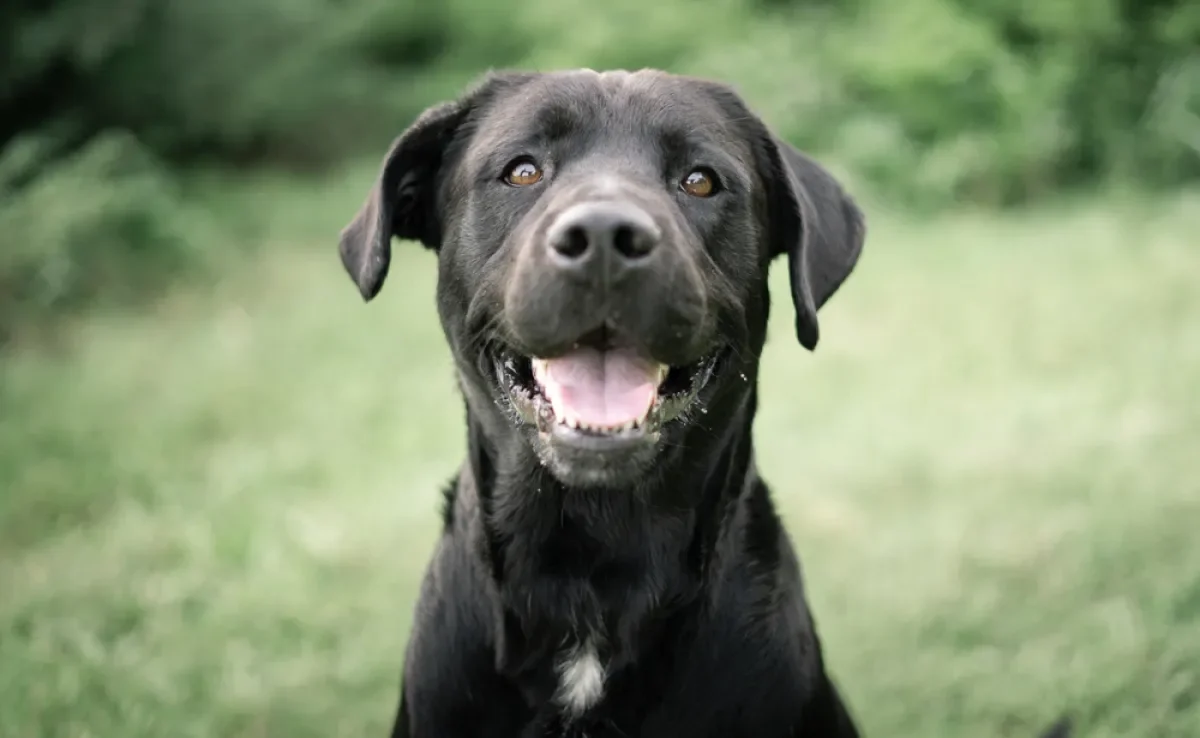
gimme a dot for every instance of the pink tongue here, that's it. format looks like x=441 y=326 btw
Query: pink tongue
x=600 y=388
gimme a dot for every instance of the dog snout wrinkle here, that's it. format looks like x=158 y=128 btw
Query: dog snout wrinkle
x=597 y=239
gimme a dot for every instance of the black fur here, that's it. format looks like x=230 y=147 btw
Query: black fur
x=670 y=557
x=666 y=556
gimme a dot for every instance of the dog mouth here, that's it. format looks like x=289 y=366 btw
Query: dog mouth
x=601 y=388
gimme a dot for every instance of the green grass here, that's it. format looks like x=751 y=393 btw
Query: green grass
x=214 y=514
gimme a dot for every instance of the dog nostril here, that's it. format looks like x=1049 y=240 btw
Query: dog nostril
x=631 y=242
x=573 y=243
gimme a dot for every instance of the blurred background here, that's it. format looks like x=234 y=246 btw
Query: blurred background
x=220 y=471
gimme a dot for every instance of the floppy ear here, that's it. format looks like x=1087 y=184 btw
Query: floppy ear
x=403 y=201
x=817 y=225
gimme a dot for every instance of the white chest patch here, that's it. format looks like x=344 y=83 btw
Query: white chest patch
x=580 y=678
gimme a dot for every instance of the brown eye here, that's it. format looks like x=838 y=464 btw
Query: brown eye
x=699 y=183
x=522 y=173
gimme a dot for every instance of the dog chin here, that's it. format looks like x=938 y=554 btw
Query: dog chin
x=584 y=461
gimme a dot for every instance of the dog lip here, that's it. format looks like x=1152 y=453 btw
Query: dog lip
x=604 y=337
x=678 y=396
x=599 y=442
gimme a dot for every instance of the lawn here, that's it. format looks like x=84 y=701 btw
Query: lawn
x=214 y=513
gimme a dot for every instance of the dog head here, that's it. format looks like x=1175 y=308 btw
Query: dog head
x=603 y=242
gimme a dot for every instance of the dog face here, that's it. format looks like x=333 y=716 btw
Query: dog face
x=603 y=242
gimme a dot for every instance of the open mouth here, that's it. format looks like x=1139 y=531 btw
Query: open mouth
x=601 y=388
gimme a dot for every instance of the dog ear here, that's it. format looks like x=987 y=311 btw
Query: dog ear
x=403 y=201
x=817 y=225
x=400 y=203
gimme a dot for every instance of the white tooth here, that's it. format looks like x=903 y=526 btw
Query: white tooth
x=663 y=371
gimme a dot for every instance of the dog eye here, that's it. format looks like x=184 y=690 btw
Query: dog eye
x=700 y=183
x=522 y=173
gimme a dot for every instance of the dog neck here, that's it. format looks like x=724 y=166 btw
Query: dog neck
x=583 y=577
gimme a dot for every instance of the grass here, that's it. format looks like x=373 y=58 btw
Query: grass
x=214 y=514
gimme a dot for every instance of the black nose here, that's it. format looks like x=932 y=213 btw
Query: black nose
x=593 y=234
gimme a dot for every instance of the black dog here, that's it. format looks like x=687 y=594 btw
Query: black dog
x=611 y=563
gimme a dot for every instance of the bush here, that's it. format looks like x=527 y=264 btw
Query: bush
x=104 y=102
x=993 y=101
x=104 y=216
x=928 y=101
x=294 y=80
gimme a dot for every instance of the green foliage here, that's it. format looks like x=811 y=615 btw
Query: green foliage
x=102 y=103
x=928 y=102
x=994 y=102
x=104 y=217
x=288 y=79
